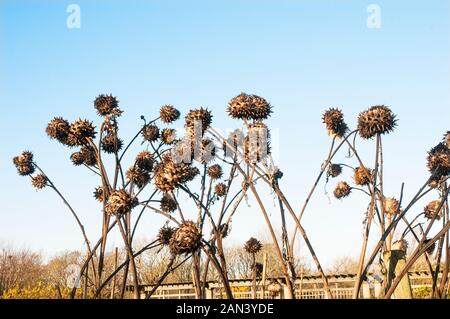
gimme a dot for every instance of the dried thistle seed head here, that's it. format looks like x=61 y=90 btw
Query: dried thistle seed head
x=362 y=176
x=206 y=152
x=432 y=209
x=39 y=181
x=342 y=190
x=201 y=117
x=447 y=139
x=438 y=160
x=431 y=249
x=81 y=131
x=253 y=246
x=168 y=136
x=186 y=239
x=391 y=206
x=120 y=202
x=150 y=133
x=99 y=194
x=89 y=155
x=24 y=163
x=247 y=107
x=77 y=158
x=261 y=109
x=107 y=105
x=58 y=129
x=168 y=114
x=334 y=170
x=240 y=106
x=170 y=174
x=215 y=171
x=145 y=161
x=220 y=190
x=111 y=144
x=334 y=122
x=168 y=204
x=138 y=177
x=376 y=120
x=165 y=234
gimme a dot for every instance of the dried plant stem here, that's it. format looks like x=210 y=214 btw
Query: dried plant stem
x=362 y=256
x=415 y=255
x=306 y=239
x=131 y=257
x=274 y=238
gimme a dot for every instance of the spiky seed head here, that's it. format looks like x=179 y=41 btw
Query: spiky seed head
x=168 y=203
x=333 y=119
x=431 y=249
x=186 y=239
x=170 y=174
x=77 y=158
x=247 y=107
x=107 y=105
x=378 y=119
x=145 y=161
x=206 y=152
x=39 y=181
x=432 y=209
x=150 y=133
x=111 y=144
x=168 y=136
x=362 y=176
x=215 y=171
x=24 y=163
x=120 y=202
x=58 y=129
x=253 y=246
x=169 y=114
x=447 y=139
x=391 y=206
x=261 y=109
x=165 y=234
x=334 y=170
x=438 y=160
x=200 y=116
x=138 y=177
x=99 y=194
x=89 y=155
x=220 y=190
x=240 y=106
x=342 y=190
x=81 y=131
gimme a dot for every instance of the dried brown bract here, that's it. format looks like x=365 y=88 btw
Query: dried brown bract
x=376 y=120
x=186 y=239
x=334 y=122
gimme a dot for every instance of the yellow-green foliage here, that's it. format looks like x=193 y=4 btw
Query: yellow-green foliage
x=422 y=292
x=39 y=291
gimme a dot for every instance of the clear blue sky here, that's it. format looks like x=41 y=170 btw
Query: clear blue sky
x=303 y=56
